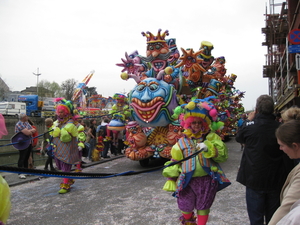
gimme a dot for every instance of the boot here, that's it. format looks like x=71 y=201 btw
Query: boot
x=71 y=182
x=191 y=221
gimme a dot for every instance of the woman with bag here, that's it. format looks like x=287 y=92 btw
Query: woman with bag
x=23 y=131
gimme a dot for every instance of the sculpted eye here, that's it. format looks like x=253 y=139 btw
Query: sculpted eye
x=140 y=87
x=157 y=47
x=153 y=87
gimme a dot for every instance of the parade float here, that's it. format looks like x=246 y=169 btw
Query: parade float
x=91 y=107
x=165 y=79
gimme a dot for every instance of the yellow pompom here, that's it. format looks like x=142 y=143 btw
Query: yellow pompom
x=168 y=70
x=124 y=76
x=190 y=106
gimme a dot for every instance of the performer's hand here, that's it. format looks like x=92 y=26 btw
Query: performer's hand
x=202 y=146
x=79 y=148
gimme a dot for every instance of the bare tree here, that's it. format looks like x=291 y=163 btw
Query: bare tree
x=68 y=88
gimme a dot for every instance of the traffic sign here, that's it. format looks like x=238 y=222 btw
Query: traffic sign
x=294 y=36
x=294 y=48
x=297 y=59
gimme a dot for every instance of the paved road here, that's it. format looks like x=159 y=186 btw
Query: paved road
x=137 y=199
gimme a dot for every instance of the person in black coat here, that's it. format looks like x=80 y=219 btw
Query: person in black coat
x=264 y=167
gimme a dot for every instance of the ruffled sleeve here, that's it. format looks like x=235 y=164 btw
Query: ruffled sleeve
x=217 y=150
x=81 y=136
x=172 y=172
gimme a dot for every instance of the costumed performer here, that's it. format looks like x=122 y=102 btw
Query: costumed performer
x=200 y=177
x=65 y=143
x=5 y=203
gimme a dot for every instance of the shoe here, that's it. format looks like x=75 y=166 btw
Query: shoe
x=22 y=176
x=45 y=168
x=63 y=191
x=52 y=169
x=106 y=157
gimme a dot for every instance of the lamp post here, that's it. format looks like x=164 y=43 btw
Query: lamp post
x=37 y=80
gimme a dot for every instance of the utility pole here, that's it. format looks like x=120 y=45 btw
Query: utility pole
x=37 y=80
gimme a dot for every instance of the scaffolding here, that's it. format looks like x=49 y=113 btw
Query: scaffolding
x=279 y=66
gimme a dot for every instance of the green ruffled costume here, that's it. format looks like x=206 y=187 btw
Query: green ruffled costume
x=217 y=152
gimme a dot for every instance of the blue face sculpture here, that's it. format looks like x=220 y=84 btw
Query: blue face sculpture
x=153 y=102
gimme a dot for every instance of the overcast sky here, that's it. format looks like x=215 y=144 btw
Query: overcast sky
x=69 y=38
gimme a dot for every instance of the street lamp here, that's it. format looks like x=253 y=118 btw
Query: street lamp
x=37 y=80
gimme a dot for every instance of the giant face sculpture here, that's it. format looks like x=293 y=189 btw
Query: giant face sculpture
x=153 y=102
x=157 y=50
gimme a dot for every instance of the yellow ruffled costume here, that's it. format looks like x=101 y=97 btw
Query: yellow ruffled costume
x=5 y=203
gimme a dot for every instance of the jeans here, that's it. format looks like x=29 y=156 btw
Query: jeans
x=261 y=205
x=108 y=145
x=24 y=156
x=49 y=162
x=92 y=146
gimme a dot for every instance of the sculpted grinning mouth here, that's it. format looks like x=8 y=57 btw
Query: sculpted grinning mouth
x=147 y=111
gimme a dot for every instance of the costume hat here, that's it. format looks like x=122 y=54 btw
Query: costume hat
x=20 y=141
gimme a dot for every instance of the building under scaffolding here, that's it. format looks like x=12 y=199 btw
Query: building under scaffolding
x=282 y=17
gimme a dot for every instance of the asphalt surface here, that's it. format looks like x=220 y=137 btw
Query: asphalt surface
x=134 y=199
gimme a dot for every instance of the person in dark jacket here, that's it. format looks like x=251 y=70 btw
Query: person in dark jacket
x=264 y=167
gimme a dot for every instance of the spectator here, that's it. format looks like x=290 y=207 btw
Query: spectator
x=34 y=144
x=293 y=217
x=240 y=124
x=26 y=129
x=47 y=144
x=278 y=117
x=292 y=113
x=107 y=135
x=288 y=137
x=92 y=135
x=263 y=167
x=121 y=139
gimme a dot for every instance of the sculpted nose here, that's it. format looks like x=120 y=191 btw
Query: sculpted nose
x=146 y=97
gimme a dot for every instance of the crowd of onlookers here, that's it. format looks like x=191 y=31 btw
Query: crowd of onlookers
x=101 y=140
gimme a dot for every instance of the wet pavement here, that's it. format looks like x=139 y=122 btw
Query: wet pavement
x=132 y=199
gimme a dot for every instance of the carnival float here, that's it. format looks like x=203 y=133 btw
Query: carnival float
x=165 y=80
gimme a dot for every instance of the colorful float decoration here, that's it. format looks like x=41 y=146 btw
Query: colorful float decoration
x=165 y=79
x=80 y=92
